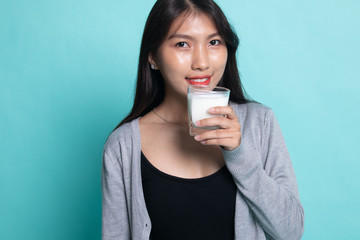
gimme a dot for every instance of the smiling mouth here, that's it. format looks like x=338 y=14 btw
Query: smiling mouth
x=201 y=80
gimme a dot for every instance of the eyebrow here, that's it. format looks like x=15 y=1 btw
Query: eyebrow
x=190 y=37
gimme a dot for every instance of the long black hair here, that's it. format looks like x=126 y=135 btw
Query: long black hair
x=150 y=88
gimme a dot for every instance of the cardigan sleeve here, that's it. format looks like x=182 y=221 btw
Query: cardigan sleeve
x=115 y=220
x=263 y=173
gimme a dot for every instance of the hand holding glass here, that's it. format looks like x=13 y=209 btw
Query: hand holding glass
x=200 y=100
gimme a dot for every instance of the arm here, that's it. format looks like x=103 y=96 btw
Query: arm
x=115 y=221
x=270 y=190
x=261 y=168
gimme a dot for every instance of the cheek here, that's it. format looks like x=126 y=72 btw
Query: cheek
x=179 y=61
x=219 y=60
x=174 y=64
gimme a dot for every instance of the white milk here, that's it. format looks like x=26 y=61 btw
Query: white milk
x=200 y=103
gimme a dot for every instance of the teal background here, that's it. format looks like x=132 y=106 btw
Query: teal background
x=67 y=77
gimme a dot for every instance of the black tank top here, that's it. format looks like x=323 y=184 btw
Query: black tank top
x=191 y=209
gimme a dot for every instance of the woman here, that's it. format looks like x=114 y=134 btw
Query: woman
x=236 y=182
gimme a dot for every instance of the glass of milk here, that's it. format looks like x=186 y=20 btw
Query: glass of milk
x=200 y=100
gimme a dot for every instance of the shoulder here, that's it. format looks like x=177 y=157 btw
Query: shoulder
x=252 y=113
x=122 y=136
x=259 y=127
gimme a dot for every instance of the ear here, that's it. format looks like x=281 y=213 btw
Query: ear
x=152 y=62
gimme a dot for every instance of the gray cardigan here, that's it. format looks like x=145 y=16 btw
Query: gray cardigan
x=267 y=200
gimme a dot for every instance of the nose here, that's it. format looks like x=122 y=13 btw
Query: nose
x=200 y=59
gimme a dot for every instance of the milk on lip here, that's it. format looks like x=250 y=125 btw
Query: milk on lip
x=199 y=104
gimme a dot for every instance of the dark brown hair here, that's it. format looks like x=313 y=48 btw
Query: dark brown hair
x=150 y=90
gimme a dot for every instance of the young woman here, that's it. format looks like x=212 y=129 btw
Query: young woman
x=158 y=182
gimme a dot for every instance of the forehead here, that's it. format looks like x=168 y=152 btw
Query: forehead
x=192 y=22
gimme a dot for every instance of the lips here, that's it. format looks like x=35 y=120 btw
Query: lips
x=199 y=80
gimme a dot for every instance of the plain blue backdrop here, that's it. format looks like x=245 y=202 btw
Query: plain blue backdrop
x=67 y=77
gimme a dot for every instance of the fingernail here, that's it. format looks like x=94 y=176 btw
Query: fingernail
x=212 y=109
x=198 y=123
x=197 y=137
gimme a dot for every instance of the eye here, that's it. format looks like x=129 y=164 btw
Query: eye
x=215 y=42
x=182 y=44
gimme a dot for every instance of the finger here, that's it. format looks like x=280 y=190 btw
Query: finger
x=227 y=110
x=227 y=143
x=219 y=133
x=222 y=122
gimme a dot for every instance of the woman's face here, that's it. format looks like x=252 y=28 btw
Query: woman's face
x=192 y=53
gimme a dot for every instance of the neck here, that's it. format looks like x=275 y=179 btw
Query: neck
x=174 y=110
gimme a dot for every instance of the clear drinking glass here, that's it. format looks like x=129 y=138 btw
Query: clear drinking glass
x=200 y=99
